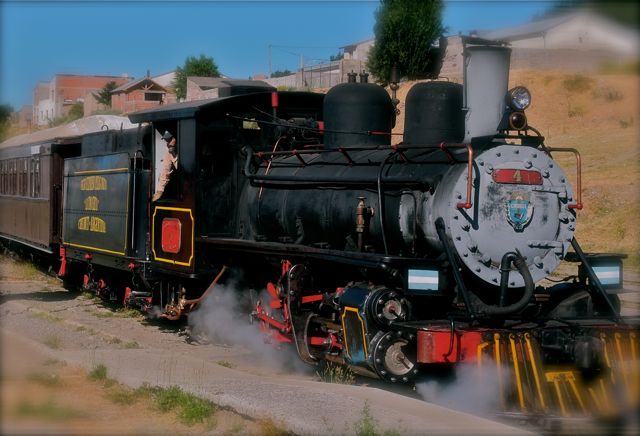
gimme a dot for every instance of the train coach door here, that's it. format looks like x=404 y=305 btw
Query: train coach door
x=59 y=152
x=57 y=171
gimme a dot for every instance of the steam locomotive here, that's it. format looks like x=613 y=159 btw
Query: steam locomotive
x=391 y=259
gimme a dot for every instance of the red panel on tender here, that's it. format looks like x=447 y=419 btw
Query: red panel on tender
x=171 y=235
x=434 y=346
x=517 y=177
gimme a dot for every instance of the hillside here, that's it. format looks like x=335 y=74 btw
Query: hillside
x=598 y=115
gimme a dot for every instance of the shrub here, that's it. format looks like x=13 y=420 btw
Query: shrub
x=577 y=83
x=333 y=373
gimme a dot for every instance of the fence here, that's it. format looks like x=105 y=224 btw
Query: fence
x=320 y=76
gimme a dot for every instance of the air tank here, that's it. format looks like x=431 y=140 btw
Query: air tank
x=433 y=113
x=354 y=109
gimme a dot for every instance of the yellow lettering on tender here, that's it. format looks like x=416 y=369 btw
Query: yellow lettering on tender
x=92 y=224
x=91 y=203
x=84 y=222
x=93 y=183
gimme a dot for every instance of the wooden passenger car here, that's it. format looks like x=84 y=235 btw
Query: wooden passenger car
x=31 y=181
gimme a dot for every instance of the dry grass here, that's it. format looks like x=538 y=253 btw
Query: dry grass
x=266 y=427
x=334 y=373
x=44 y=379
x=53 y=342
x=610 y=152
x=46 y=316
x=47 y=410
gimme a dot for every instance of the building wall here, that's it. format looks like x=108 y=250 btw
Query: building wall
x=76 y=87
x=91 y=105
x=40 y=93
x=290 y=81
x=361 y=51
x=586 y=32
x=194 y=92
x=537 y=42
x=127 y=102
x=165 y=80
x=25 y=118
x=44 y=112
x=63 y=91
x=321 y=76
x=589 y=32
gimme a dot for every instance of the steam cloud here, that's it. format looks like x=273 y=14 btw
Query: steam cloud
x=223 y=317
x=474 y=390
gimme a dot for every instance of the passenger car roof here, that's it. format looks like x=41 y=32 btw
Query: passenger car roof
x=77 y=128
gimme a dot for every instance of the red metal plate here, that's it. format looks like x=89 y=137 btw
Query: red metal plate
x=435 y=346
x=517 y=177
x=171 y=235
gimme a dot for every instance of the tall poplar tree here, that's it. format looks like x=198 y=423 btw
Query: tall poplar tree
x=404 y=32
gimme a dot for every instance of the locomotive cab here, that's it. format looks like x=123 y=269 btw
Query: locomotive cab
x=203 y=204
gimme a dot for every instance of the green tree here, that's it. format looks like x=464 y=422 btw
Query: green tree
x=104 y=95
x=201 y=67
x=337 y=57
x=404 y=32
x=76 y=111
x=282 y=73
x=5 y=120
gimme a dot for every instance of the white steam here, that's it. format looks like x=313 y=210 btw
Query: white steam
x=474 y=390
x=223 y=317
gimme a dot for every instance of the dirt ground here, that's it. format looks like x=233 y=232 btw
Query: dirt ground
x=43 y=395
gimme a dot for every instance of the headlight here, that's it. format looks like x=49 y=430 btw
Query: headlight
x=519 y=98
x=518 y=120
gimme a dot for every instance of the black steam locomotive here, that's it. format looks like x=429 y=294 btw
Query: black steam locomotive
x=392 y=259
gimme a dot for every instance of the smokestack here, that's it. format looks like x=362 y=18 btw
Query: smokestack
x=486 y=81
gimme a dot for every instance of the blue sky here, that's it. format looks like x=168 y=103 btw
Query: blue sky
x=41 y=38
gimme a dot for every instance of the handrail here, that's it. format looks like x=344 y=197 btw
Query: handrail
x=578 y=204
x=467 y=204
x=267 y=158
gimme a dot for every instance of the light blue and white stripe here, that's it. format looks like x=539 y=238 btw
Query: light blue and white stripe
x=608 y=275
x=424 y=280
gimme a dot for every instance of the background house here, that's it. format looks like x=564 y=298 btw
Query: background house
x=572 y=41
x=202 y=88
x=55 y=98
x=358 y=50
x=140 y=94
x=576 y=41
x=165 y=80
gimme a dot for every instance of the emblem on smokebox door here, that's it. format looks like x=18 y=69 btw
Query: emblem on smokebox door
x=519 y=211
